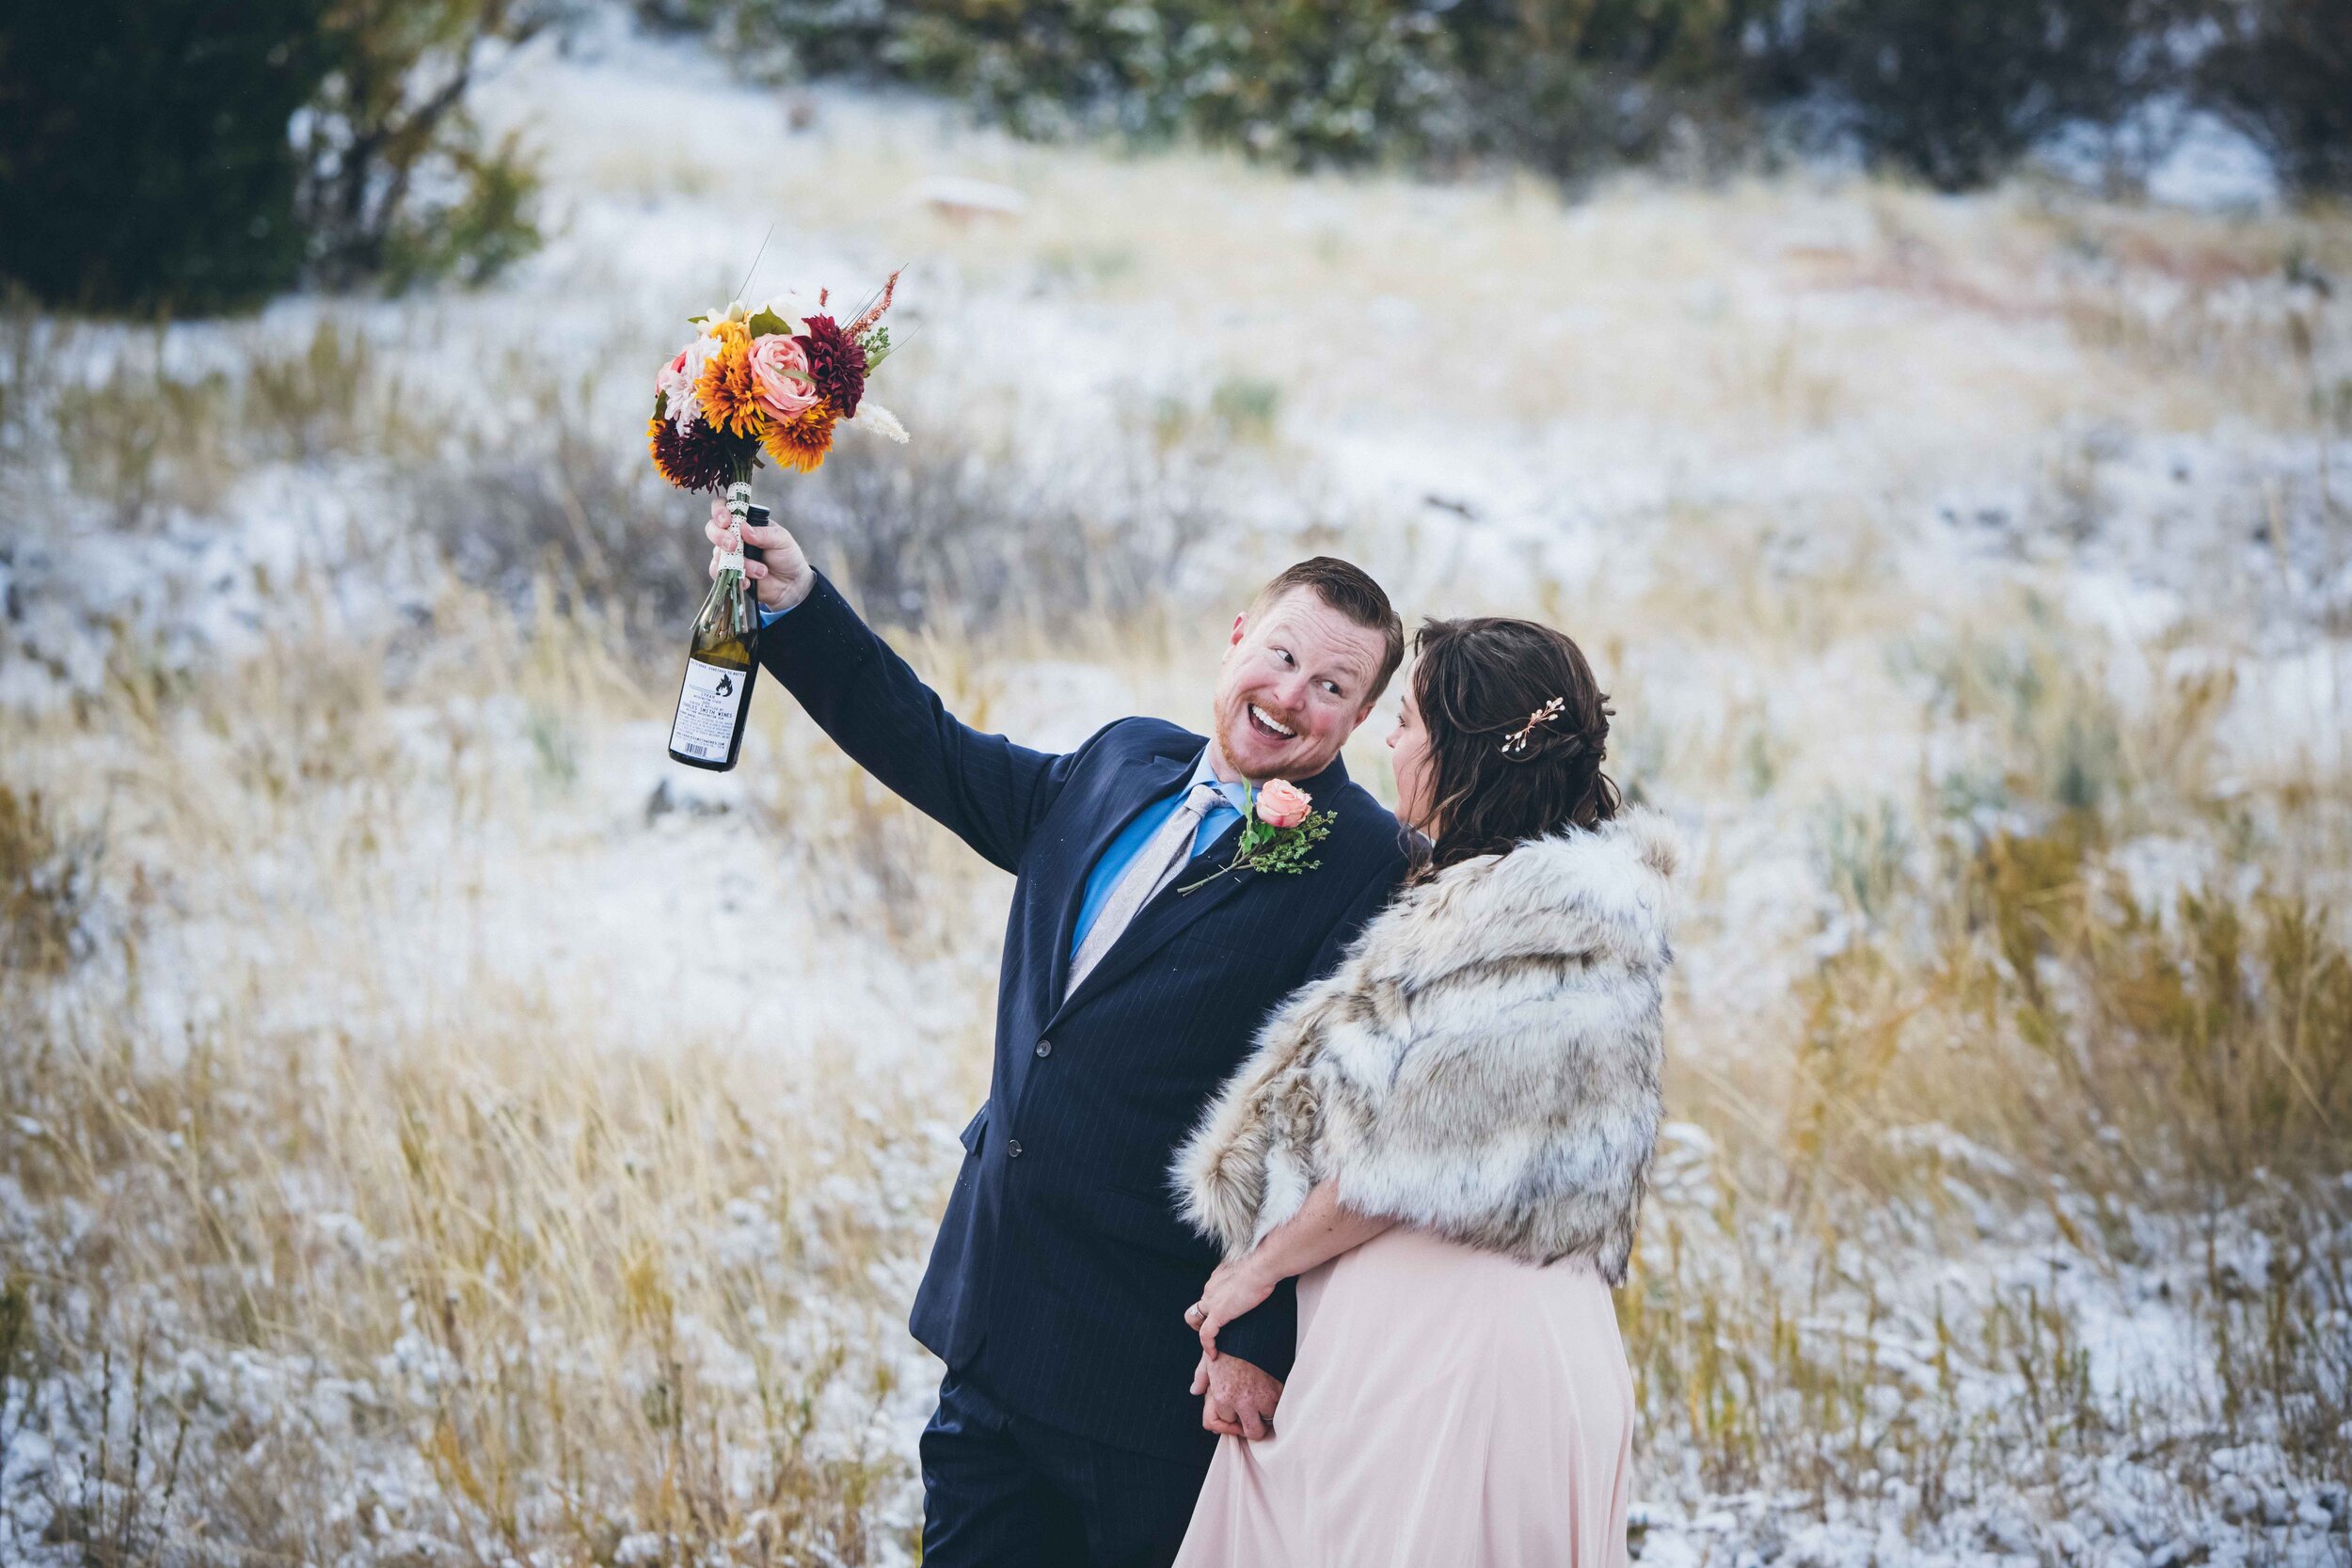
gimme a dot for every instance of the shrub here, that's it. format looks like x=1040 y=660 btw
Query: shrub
x=1303 y=81
x=178 y=158
x=2189 y=1050
x=47 y=883
x=145 y=438
x=1559 y=84
x=953 y=532
x=144 y=164
x=1956 y=90
x=2282 y=73
x=1570 y=85
x=398 y=182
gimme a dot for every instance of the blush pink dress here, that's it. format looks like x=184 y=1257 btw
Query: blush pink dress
x=1448 y=1407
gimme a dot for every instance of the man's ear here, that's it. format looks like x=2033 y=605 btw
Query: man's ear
x=1241 y=627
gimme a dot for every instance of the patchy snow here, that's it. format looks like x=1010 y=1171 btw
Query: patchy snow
x=1850 y=438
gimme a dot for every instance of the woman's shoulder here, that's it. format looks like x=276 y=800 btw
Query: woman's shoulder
x=1571 y=891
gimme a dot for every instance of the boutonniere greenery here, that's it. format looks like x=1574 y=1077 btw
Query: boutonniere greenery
x=1279 y=827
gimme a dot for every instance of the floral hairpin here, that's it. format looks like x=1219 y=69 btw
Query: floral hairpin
x=1518 y=740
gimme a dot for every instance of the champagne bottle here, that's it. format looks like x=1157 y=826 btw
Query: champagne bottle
x=715 y=698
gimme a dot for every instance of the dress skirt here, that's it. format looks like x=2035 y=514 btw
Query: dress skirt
x=1448 y=1407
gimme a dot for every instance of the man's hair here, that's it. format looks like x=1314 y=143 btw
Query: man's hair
x=1348 y=589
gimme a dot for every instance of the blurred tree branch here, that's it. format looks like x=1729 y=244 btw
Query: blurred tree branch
x=397 y=182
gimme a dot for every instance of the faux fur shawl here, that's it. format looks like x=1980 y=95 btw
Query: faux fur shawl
x=1485 y=1063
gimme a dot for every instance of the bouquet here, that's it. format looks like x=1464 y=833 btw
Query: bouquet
x=771 y=381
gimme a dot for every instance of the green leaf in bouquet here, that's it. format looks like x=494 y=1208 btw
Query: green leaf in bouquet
x=763 y=322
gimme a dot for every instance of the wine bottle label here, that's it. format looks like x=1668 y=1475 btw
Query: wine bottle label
x=706 y=707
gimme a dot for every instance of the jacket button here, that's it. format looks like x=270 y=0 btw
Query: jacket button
x=1045 y=1048
x=1012 y=1148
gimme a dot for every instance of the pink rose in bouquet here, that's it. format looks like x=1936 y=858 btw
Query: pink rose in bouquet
x=780 y=378
x=1283 y=804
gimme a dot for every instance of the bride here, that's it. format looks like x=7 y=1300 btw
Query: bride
x=1446 y=1142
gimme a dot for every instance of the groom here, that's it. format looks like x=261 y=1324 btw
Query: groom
x=1066 y=1432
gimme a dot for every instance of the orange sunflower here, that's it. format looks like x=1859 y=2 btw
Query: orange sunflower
x=725 y=387
x=800 y=444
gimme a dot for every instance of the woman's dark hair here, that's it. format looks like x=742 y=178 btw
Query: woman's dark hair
x=1518 y=728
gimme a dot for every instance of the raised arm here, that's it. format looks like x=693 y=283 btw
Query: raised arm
x=988 y=791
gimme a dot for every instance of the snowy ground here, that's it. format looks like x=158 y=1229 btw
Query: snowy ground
x=1789 y=458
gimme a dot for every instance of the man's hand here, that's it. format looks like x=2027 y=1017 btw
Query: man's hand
x=783 y=578
x=1240 y=1398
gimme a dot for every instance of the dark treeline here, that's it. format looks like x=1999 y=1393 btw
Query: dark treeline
x=1953 y=91
x=178 y=156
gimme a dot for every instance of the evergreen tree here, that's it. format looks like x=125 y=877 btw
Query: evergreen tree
x=145 y=165
x=2282 y=73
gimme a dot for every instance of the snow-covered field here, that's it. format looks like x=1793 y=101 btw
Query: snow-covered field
x=439 y=1130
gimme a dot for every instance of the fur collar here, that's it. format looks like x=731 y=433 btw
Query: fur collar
x=1485 y=1063
x=1562 y=894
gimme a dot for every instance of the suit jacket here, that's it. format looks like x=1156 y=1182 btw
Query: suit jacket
x=1063 y=1271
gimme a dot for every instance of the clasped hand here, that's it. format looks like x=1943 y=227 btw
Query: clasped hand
x=1231 y=1291
x=1238 y=1399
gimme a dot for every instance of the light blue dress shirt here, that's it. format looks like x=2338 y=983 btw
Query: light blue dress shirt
x=1136 y=834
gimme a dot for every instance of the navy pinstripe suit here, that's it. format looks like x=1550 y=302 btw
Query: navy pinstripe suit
x=1061 y=1272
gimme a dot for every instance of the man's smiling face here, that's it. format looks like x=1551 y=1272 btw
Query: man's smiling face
x=1297 y=680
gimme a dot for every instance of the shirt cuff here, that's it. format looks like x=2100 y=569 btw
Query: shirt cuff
x=770 y=617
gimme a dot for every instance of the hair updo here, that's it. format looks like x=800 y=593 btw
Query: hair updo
x=1518 y=729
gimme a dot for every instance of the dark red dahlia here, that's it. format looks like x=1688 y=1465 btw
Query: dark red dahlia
x=702 y=459
x=836 y=364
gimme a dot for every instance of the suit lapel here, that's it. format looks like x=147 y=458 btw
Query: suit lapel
x=1138 y=783
x=1160 y=920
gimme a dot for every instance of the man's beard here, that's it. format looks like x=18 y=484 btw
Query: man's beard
x=1224 y=737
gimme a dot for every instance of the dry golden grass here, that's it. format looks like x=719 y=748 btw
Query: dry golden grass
x=431 y=1142
x=1732 y=319
x=447 y=1248
x=526 y=1275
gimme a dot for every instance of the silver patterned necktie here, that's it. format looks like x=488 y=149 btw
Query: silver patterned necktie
x=1155 y=866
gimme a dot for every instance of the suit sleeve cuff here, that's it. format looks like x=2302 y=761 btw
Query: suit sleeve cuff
x=820 y=633
x=1266 y=1336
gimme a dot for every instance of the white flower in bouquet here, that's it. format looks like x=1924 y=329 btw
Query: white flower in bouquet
x=882 y=421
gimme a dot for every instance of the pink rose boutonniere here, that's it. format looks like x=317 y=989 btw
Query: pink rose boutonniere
x=1280 y=825
x=1283 y=804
